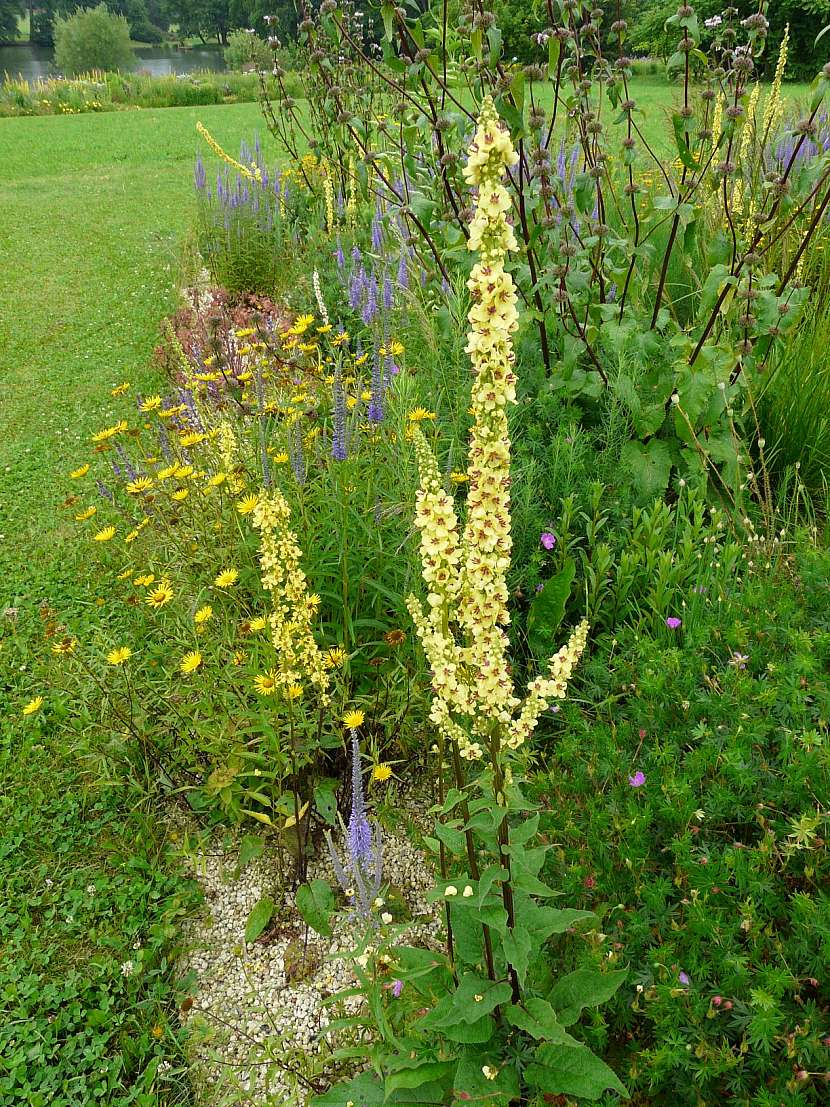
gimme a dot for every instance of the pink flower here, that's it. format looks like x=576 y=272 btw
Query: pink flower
x=683 y=977
x=673 y=622
x=638 y=779
x=547 y=539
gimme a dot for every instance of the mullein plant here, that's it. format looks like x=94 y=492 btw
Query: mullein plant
x=301 y=673
x=488 y=1019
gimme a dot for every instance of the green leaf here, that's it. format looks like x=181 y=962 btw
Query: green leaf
x=494 y=43
x=571 y=1070
x=520 y=835
x=517 y=945
x=548 y=610
x=315 y=902
x=415 y=1072
x=583 y=988
x=498 y=1092
x=477 y=996
x=542 y=922
x=451 y=836
x=250 y=848
x=650 y=466
x=680 y=136
x=325 y=801
x=367 y=1091
x=386 y=12
x=260 y=916
x=538 y=1018
x=554 y=47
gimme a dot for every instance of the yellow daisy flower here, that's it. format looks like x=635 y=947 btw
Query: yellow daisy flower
x=266 y=683
x=145 y=580
x=140 y=485
x=184 y=471
x=333 y=658
x=294 y=691
x=226 y=578
x=109 y=432
x=192 y=438
x=459 y=478
x=152 y=403
x=301 y=324
x=203 y=614
x=119 y=655
x=418 y=414
x=381 y=772
x=246 y=505
x=259 y=623
x=280 y=458
x=82 y=472
x=353 y=719
x=160 y=595
x=82 y=516
x=120 y=389
x=217 y=479
x=104 y=535
x=180 y=494
x=33 y=706
x=166 y=472
x=66 y=646
x=190 y=662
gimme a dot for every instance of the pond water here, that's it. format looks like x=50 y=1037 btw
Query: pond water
x=32 y=62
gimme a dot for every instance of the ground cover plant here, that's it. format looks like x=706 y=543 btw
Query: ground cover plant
x=476 y=470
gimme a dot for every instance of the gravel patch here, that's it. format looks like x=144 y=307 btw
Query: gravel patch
x=257 y=1022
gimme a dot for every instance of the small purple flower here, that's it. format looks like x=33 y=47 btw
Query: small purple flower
x=339 y=450
x=388 y=295
x=397 y=988
x=547 y=539
x=673 y=622
x=738 y=660
x=683 y=978
x=403 y=273
x=539 y=588
x=199 y=175
x=375 y=409
x=638 y=779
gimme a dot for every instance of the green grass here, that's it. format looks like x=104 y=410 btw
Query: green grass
x=94 y=211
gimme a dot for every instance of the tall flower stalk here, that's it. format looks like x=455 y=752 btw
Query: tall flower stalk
x=462 y=625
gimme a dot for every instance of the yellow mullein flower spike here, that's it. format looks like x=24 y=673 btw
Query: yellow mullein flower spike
x=252 y=173
x=461 y=626
x=294 y=609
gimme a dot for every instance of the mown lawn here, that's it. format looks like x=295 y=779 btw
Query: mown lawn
x=95 y=208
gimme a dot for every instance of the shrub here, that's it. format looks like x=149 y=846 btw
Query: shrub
x=246 y=50
x=144 y=31
x=92 y=38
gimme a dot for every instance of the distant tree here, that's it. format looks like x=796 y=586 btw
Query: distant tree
x=205 y=18
x=10 y=10
x=92 y=38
